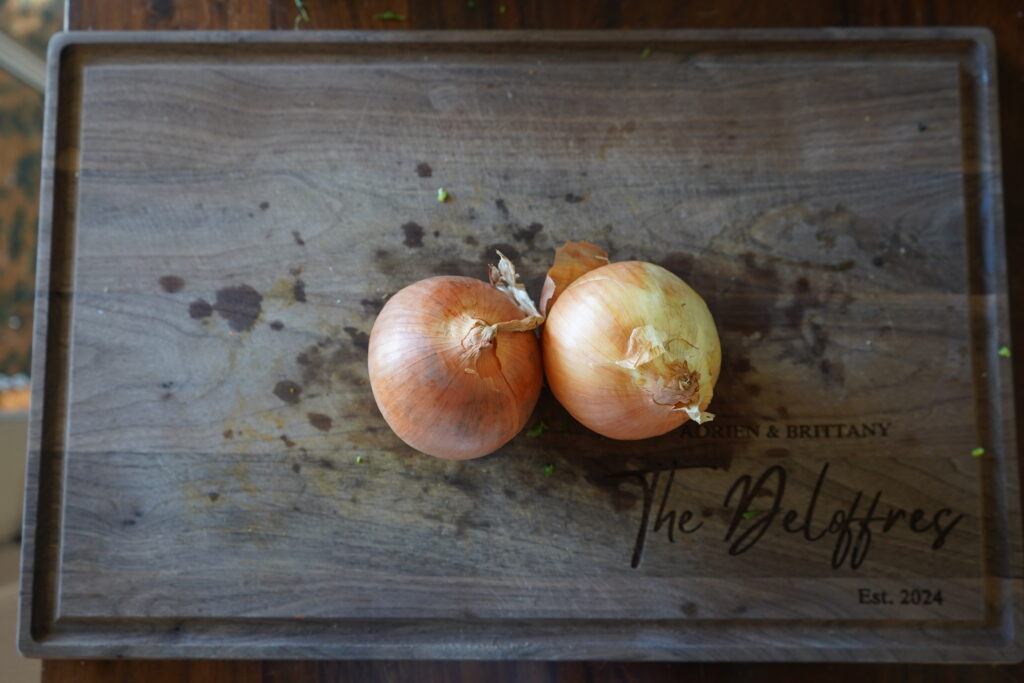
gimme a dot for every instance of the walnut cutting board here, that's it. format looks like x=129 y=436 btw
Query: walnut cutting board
x=224 y=215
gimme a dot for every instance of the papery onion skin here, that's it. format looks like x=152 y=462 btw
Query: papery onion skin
x=435 y=393
x=587 y=349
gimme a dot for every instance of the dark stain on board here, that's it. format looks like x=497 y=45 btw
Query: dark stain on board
x=502 y=207
x=171 y=283
x=321 y=422
x=277 y=325
x=527 y=234
x=213 y=496
x=372 y=305
x=360 y=339
x=470 y=240
x=423 y=170
x=298 y=238
x=574 y=198
x=413 y=232
x=321 y=366
x=288 y=443
x=264 y=206
x=200 y=308
x=229 y=433
x=299 y=291
x=288 y=391
x=240 y=306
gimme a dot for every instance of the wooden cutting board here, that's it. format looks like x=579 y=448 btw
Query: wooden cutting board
x=225 y=214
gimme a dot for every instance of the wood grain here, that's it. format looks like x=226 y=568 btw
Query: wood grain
x=235 y=228
x=1000 y=16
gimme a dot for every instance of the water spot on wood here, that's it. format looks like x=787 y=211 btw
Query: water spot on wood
x=264 y=206
x=239 y=305
x=501 y=206
x=359 y=338
x=527 y=234
x=413 y=232
x=320 y=421
x=296 y=467
x=298 y=238
x=470 y=240
x=573 y=198
x=277 y=325
x=423 y=170
x=229 y=433
x=299 y=291
x=833 y=371
x=288 y=391
x=213 y=496
x=372 y=305
x=171 y=283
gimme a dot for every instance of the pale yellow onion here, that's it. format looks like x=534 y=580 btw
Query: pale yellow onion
x=631 y=351
x=446 y=381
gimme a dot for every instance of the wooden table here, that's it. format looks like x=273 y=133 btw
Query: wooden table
x=1003 y=17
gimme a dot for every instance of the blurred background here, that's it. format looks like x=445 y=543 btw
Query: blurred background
x=25 y=28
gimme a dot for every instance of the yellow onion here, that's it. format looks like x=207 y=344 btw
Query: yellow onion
x=454 y=366
x=631 y=351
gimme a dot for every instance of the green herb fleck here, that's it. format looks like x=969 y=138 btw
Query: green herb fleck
x=389 y=16
x=471 y=4
x=646 y=53
x=302 y=16
x=750 y=514
x=978 y=452
x=501 y=9
x=442 y=195
x=921 y=127
x=549 y=469
x=1004 y=351
x=537 y=429
x=359 y=459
